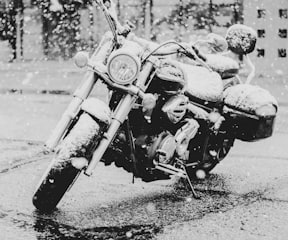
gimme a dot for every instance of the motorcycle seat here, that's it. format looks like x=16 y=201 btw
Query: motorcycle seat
x=225 y=66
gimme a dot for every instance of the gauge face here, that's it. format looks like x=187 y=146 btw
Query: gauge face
x=123 y=69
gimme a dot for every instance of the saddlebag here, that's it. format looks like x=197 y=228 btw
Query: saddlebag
x=251 y=110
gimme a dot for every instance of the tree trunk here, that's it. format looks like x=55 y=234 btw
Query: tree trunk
x=148 y=17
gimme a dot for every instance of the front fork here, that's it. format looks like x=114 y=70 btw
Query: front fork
x=119 y=116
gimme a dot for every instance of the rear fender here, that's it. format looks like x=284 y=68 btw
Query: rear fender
x=98 y=109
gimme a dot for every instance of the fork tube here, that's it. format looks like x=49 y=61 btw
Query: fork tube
x=78 y=97
x=121 y=114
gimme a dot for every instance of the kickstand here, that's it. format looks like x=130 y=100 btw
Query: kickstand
x=195 y=195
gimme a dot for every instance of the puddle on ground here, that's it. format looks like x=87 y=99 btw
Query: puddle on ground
x=137 y=218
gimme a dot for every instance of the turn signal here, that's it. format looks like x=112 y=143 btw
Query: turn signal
x=81 y=59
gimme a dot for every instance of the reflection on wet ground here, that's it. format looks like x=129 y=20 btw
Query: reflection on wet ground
x=47 y=229
x=138 y=218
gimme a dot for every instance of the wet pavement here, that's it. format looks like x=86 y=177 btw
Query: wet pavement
x=245 y=197
x=109 y=206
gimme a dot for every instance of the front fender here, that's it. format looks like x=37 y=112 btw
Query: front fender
x=98 y=109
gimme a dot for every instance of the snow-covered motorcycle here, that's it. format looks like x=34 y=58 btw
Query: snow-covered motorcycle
x=163 y=117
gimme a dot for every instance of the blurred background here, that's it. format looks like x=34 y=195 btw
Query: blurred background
x=56 y=29
x=38 y=39
x=59 y=31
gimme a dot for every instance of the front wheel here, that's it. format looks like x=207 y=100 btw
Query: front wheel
x=61 y=174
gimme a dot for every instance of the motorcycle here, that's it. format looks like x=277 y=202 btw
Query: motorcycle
x=163 y=117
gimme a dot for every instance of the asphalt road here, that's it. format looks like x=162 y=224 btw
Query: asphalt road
x=245 y=197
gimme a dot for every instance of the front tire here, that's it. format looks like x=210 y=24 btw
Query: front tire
x=61 y=174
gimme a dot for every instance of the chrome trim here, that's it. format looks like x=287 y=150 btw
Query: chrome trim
x=171 y=170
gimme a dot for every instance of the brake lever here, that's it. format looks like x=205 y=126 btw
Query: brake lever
x=127 y=28
x=198 y=56
x=131 y=25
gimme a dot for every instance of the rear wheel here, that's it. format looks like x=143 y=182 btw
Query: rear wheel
x=210 y=157
x=61 y=174
x=212 y=161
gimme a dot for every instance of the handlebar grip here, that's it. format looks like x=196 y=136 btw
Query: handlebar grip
x=199 y=54
x=130 y=24
x=124 y=31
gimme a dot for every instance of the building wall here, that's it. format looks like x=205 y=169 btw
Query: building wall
x=271 y=54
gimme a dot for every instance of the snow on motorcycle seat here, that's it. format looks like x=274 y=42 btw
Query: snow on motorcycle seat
x=202 y=84
x=225 y=66
x=252 y=111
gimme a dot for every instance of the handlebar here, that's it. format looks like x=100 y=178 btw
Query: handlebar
x=199 y=54
x=117 y=29
x=163 y=49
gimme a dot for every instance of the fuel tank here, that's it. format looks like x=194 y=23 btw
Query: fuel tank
x=202 y=83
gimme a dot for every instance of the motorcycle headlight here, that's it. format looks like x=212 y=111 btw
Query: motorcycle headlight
x=123 y=67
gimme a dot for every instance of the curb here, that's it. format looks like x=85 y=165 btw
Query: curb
x=64 y=93
x=35 y=91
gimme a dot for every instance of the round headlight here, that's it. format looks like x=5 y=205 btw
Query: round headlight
x=123 y=67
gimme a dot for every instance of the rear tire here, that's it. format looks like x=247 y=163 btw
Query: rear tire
x=208 y=163
x=61 y=174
